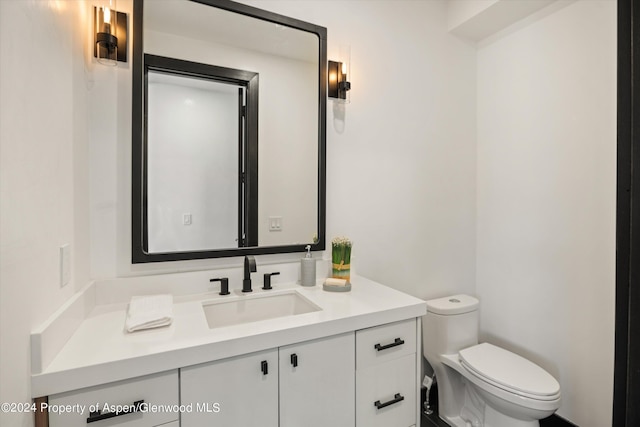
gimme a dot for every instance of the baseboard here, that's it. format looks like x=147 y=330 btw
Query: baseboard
x=556 y=421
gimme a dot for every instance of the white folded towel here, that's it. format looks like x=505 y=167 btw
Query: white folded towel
x=151 y=311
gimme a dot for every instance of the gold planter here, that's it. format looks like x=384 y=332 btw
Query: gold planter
x=341 y=271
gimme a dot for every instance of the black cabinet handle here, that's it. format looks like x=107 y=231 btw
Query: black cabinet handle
x=128 y=409
x=294 y=360
x=397 y=398
x=395 y=343
x=264 y=366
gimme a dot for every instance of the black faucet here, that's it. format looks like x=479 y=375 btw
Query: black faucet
x=249 y=267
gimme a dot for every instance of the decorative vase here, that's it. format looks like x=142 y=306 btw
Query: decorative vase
x=342 y=271
x=341 y=258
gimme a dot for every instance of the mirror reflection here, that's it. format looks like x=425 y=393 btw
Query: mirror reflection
x=203 y=192
x=193 y=167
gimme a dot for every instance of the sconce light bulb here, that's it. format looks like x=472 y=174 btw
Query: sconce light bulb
x=344 y=68
x=107 y=15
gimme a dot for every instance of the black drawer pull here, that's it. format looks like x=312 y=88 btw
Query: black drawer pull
x=294 y=360
x=397 y=398
x=381 y=347
x=129 y=409
x=264 y=366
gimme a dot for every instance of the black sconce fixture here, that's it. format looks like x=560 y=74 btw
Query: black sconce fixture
x=339 y=86
x=110 y=43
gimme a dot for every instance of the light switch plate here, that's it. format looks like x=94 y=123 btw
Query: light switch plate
x=65 y=265
x=275 y=223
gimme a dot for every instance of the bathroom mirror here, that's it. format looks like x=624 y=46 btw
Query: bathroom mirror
x=229 y=115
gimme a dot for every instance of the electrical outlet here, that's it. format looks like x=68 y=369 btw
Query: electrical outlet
x=65 y=265
x=186 y=219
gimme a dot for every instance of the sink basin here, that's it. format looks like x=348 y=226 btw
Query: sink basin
x=255 y=308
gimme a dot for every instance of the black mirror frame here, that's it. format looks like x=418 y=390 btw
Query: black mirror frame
x=138 y=141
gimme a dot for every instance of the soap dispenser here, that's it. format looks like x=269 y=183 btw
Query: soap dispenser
x=308 y=269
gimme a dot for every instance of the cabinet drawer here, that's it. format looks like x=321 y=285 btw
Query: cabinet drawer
x=157 y=389
x=386 y=394
x=384 y=343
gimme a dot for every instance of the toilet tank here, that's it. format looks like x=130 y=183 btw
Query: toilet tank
x=451 y=324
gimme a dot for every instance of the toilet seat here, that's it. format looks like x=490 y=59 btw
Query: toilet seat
x=509 y=372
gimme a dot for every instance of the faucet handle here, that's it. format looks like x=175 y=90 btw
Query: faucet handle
x=224 y=285
x=267 y=280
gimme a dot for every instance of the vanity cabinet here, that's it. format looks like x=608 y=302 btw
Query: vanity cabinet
x=386 y=391
x=309 y=384
x=240 y=391
x=366 y=378
x=152 y=392
x=317 y=383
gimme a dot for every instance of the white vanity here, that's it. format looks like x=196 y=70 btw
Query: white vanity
x=352 y=359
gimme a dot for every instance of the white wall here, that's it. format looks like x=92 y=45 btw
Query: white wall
x=110 y=163
x=478 y=19
x=546 y=199
x=44 y=82
x=461 y=11
x=401 y=155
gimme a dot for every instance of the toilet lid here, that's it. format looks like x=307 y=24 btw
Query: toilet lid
x=508 y=370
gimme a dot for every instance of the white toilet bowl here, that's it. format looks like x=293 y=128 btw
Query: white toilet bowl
x=516 y=392
x=482 y=385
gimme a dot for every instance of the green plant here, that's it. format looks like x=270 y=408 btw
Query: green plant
x=341 y=251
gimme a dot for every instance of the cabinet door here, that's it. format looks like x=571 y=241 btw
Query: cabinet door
x=317 y=383
x=240 y=391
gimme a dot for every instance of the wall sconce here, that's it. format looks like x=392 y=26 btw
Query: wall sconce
x=339 y=85
x=110 y=43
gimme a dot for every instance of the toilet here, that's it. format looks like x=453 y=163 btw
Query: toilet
x=482 y=385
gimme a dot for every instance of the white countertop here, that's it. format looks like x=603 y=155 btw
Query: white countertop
x=100 y=351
